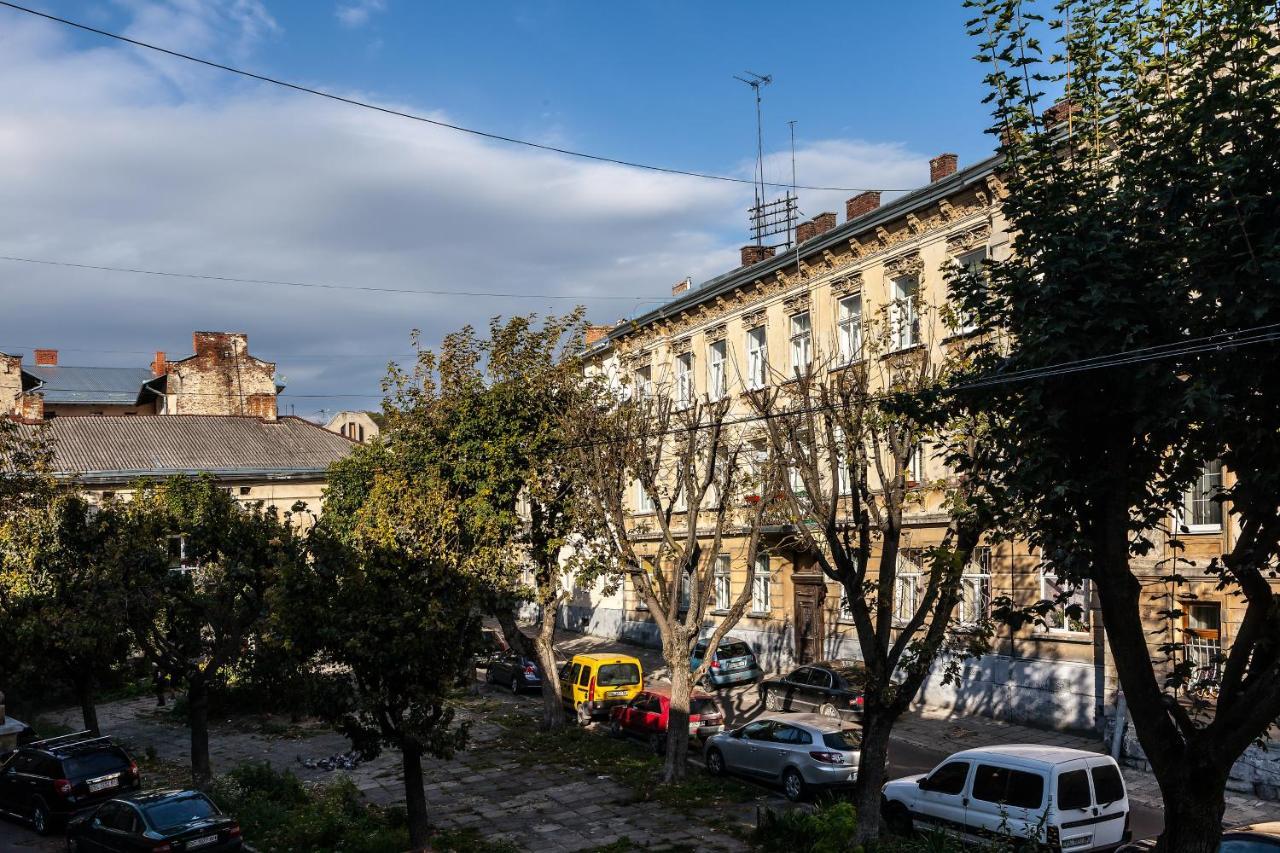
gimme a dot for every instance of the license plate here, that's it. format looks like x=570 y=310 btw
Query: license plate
x=616 y=693
x=197 y=843
x=737 y=664
x=101 y=786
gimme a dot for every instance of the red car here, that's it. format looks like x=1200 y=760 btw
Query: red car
x=646 y=716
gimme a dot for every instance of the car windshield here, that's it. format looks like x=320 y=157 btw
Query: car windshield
x=737 y=649
x=614 y=674
x=842 y=740
x=177 y=811
x=703 y=706
x=94 y=764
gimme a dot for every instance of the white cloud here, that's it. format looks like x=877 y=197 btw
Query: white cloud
x=357 y=13
x=105 y=160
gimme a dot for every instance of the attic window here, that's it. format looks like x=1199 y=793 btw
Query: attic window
x=244 y=490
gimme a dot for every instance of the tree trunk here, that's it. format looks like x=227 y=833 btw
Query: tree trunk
x=678 y=720
x=415 y=796
x=88 y=708
x=1193 y=807
x=877 y=725
x=511 y=632
x=198 y=718
x=544 y=645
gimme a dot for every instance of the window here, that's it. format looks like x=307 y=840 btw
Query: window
x=800 y=676
x=760 y=730
x=717 y=381
x=643 y=502
x=843 y=484
x=906 y=595
x=904 y=312
x=801 y=343
x=684 y=379
x=1070 y=610
x=915 y=465
x=643 y=383
x=757 y=358
x=1200 y=512
x=1073 y=790
x=846 y=609
x=849 y=328
x=1202 y=641
x=684 y=591
x=761 y=586
x=179 y=560
x=793 y=735
x=795 y=480
x=1015 y=788
x=965 y=322
x=948 y=779
x=975 y=589
x=616 y=674
x=584 y=677
x=1108 y=787
x=723 y=582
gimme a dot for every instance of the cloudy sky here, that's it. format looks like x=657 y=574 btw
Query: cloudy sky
x=110 y=155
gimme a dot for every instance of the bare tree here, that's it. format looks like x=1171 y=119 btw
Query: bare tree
x=683 y=457
x=852 y=431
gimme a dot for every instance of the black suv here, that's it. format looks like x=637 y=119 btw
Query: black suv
x=47 y=781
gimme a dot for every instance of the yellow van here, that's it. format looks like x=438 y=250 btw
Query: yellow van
x=592 y=684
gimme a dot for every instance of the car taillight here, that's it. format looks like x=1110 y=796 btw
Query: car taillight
x=162 y=847
x=827 y=757
x=234 y=831
x=528 y=669
x=133 y=770
x=62 y=787
x=715 y=664
x=591 y=689
x=1052 y=835
x=856 y=700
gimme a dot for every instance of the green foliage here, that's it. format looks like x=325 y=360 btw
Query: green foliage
x=826 y=830
x=469 y=841
x=279 y=813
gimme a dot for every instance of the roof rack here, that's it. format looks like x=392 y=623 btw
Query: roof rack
x=76 y=744
x=50 y=740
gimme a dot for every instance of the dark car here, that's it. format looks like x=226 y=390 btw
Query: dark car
x=1258 y=838
x=155 y=822
x=47 y=781
x=515 y=671
x=492 y=645
x=647 y=715
x=831 y=688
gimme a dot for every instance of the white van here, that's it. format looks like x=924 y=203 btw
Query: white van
x=1071 y=799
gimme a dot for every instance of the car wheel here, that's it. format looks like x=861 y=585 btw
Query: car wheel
x=828 y=710
x=584 y=715
x=897 y=818
x=793 y=785
x=772 y=701
x=615 y=728
x=515 y=684
x=715 y=762
x=40 y=818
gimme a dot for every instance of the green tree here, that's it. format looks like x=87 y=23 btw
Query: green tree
x=62 y=598
x=391 y=598
x=200 y=570
x=1126 y=324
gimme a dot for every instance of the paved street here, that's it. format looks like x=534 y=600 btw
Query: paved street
x=498 y=795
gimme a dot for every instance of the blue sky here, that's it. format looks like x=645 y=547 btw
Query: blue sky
x=111 y=156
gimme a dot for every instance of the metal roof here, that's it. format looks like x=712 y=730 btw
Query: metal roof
x=105 y=448
x=89 y=385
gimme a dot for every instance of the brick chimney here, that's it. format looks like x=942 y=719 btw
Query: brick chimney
x=861 y=203
x=596 y=334
x=806 y=231
x=46 y=358
x=754 y=254
x=942 y=166
x=681 y=286
x=823 y=223
x=1060 y=112
x=159 y=367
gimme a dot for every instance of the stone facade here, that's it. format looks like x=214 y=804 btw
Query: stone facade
x=222 y=378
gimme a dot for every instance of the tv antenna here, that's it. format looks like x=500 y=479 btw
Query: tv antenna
x=757 y=82
x=767 y=217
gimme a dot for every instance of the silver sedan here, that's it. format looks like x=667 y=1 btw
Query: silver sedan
x=803 y=752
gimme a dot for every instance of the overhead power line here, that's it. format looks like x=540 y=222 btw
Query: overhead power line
x=484 y=134
x=356 y=287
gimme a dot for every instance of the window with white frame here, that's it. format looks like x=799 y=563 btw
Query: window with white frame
x=723 y=581
x=646 y=567
x=846 y=609
x=907 y=584
x=904 y=312
x=643 y=503
x=844 y=485
x=684 y=379
x=761 y=586
x=757 y=358
x=717 y=376
x=849 y=328
x=1070 y=611
x=915 y=465
x=975 y=589
x=642 y=381
x=973 y=264
x=1200 y=512
x=801 y=343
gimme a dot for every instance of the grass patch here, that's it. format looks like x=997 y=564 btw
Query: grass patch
x=469 y=841
x=625 y=760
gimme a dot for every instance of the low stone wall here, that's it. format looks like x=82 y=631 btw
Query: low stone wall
x=1256 y=773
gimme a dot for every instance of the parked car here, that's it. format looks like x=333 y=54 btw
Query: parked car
x=155 y=821
x=47 y=781
x=647 y=715
x=514 y=670
x=1258 y=838
x=733 y=662
x=831 y=688
x=492 y=645
x=804 y=752
x=592 y=684
x=1069 y=798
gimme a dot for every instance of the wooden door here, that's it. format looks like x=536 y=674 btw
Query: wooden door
x=809 y=622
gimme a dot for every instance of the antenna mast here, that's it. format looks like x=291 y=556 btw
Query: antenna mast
x=756 y=82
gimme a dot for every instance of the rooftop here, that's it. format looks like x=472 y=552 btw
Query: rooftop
x=1031 y=752
x=88 y=385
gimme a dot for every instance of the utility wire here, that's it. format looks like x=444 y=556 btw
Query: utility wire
x=707 y=176
x=356 y=287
